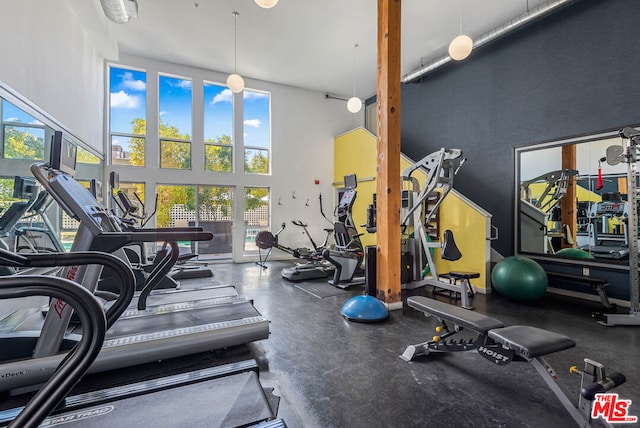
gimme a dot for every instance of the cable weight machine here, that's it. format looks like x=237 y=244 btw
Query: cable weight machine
x=629 y=155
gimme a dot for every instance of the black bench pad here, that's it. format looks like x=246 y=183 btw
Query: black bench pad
x=579 y=278
x=459 y=316
x=461 y=275
x=530 y=342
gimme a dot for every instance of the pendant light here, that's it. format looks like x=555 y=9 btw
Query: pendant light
x=120 y=11
x=266 y=4
x=235 y=82
x=354 y=104
x=461 y=46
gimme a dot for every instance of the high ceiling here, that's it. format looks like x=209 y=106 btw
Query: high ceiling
x=303 y=43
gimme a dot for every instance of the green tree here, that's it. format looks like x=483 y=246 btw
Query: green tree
x=84 y=156
x=22 y=145
x=173 y=154
x=255 y=197
x=137 y=144
x=6 y=193
x=218 y=157
x=256 y=162
x=216 y=199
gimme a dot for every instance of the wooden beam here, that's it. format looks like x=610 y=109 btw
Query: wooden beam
x=569 y=204
x=388 y=184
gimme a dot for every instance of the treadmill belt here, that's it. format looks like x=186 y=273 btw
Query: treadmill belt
x=176 y=320
x=230 y=401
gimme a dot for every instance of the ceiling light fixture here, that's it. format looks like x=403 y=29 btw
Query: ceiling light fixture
x=266 y=4
x=461 y=46
x=235 y=82
x=120 y=11
x=354 y=104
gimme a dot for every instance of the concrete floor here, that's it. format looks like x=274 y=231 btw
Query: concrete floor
x=329 y=372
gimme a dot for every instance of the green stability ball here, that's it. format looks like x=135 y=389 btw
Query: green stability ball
x=519 y=278
x=576 y=253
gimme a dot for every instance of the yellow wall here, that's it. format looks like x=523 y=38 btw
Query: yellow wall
x=470 y=233
x=355 y=153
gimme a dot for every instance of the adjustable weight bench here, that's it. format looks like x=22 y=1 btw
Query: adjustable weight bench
x=502 y=345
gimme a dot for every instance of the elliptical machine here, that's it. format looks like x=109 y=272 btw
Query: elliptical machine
x=348 y=254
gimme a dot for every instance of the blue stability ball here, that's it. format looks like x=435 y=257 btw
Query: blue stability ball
x=519 y=278
x=364 y=309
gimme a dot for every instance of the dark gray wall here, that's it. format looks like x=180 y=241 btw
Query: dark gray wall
x=575 y=72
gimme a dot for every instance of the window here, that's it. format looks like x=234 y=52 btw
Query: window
x=215 y=215
x=257 y=131
x=127 y=116
x=210 y=207
x=176 y=206
x=174 y=122
x=6 y=194
x=85 y=156
x=218 y=125
x=23 y=137
x=256 y=215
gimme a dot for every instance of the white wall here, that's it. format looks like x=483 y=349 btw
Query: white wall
x=49 y=58
x=303 y=126
x=538 y=162
x=57 y=63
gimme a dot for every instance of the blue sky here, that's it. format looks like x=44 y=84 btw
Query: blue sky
x=11 y=113
x=128 y=98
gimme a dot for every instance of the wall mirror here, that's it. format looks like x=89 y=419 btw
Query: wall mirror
x=25 y=136
x=571 y=201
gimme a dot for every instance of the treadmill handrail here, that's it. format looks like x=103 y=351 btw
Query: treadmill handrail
x=159 y=271
x=123 y=271
x=79 y=359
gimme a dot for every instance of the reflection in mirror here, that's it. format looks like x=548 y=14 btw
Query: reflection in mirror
x=573 y=199
x=25 y=138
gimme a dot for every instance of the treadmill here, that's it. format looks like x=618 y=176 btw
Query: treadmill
x=605 y=243
x=141 y=335
x=223 y=396
x=23 y=188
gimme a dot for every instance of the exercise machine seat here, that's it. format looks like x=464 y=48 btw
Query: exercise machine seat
x=462 y=317
x=450 y=250
x=531 y=342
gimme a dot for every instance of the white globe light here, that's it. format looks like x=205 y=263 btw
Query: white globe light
x=460 y=47
x=267 y=4
x=235 y=82
x=354 y=104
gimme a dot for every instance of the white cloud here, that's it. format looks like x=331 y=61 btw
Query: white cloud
x=250 y=95
x=129 y=83
x=255 y=123
x=162 y=113
x=121 y=99
x=184 y=84
x=12 y=119
x=223 y=97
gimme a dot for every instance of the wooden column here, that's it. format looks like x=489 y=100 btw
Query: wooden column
x=388 y=163
x=569 y=204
